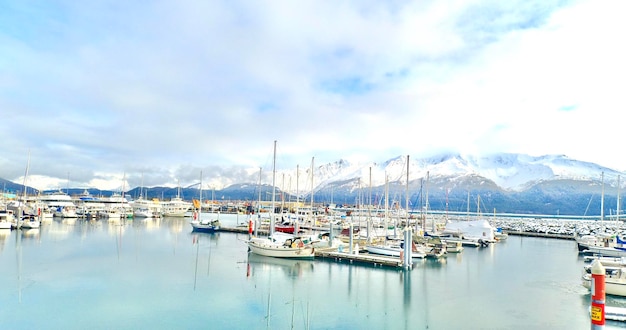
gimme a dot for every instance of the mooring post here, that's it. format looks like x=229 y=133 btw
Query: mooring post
x=598 y=295
x=330 y=234
x=407 y=262
x=350 y=233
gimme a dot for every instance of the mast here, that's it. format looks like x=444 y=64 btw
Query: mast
x=297 y=193
x=369 y=208
x=200 y=208
x=426 y=206
x=406 y=199
x=259 y=204
x=23 y=201
x=312 y=190
x=618 y=190
x=468 y=205
x=602 y=199
x=282 y=196
x=272 y=221
x=387 y=205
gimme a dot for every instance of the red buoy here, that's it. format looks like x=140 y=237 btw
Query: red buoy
x=598 y=295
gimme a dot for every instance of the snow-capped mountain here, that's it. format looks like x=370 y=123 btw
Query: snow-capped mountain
x=510 y=172
x=509 y=183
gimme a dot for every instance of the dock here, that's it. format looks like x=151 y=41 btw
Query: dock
x=361 y=258
x=542 y=235
x=331 y=254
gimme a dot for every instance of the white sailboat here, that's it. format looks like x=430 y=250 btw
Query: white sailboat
x=280 y=245
x=394 y=247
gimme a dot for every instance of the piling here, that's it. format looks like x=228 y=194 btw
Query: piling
x=407 y=262
x=598 y=295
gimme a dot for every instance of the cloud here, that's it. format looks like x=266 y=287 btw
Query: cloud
x=165 y=89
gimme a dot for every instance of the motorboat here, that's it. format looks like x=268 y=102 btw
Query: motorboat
x=6 y=219
x=614 y=281
x=206 y=225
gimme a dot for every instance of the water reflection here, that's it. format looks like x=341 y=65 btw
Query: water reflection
x=4 y=237
x=30 y=233
x=290 y=267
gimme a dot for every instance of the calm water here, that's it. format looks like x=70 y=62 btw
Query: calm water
x=157 y=274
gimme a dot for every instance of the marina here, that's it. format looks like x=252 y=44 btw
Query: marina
x=158 y=273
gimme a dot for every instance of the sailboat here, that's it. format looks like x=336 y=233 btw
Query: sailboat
x=395 y=247
x=199 y=225
x=277 y=244
x=27 y=221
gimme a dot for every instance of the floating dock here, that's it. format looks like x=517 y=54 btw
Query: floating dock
x=543 y=235
x=363 y=258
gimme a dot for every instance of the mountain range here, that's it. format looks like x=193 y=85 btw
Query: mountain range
x=502 y=183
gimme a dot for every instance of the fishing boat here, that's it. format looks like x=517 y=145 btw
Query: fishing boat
x=277 y=244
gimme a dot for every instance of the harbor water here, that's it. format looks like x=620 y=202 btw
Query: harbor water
x=158 y=274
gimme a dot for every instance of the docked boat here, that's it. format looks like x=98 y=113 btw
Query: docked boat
x=278 y=244
x=395 y=250
x=286 y=226
x=478 y=231
x=117 y=206
x=607 y=261
x=143 y=208
x=30 y=222
x=294 y=247
x=206 y=226
x=616 y=251
x=585 y=242
x=453 y=246
x=437 y=249
x=614 y=281
x=60 y=204
x=6 y=219
x=176 y=207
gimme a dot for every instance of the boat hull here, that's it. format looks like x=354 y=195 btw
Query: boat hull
x=606 y=251
x=208 y=227
x=613 y=287
x=392 y=251
x=265 y=247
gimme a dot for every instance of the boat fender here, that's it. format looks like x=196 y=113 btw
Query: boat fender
x=301 y=244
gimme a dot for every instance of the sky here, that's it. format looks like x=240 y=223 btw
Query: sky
x=117 y=94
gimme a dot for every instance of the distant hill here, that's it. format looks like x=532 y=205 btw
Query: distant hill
x=506 y=183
